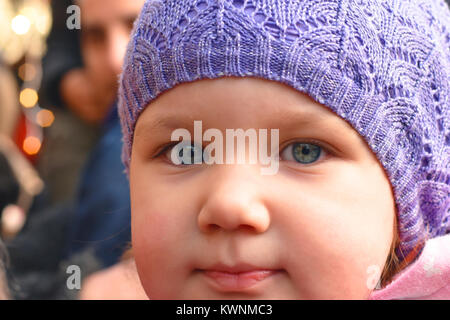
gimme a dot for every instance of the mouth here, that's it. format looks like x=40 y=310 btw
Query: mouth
x=237 y=278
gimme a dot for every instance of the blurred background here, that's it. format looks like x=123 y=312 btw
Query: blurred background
x=64 y=199
x=25 y=117
x=53 y=141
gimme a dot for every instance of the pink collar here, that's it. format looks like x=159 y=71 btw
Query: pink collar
x=427 y=278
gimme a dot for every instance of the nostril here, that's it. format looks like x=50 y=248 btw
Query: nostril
x=214 y=227
x=249 y=228
x=243 y=227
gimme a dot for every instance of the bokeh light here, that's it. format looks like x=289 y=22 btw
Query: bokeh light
x=20 y=24
x=28 y=97
x=27 y=72
x=45 y=118
x=31 y=145
x=12 y=218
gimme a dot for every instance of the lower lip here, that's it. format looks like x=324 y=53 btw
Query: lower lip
x=238 y=281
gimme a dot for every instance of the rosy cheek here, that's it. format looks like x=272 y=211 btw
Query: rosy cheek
x=148 y=239
x=150 y=229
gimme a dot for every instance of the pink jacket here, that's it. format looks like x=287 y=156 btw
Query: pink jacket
x=427 y=278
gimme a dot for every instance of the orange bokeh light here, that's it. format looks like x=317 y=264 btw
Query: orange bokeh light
x=31 y=145
x=28 y=97
x=45 y=118
x=27 y=72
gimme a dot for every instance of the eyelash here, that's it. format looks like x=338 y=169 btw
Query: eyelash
x=327 y=150
x=164 y=148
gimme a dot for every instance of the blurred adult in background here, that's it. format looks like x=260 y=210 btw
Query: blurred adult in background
x=97 y=229
x=86 y=81
x=102 y=219
x=106 y=26
x=102 y=214
x=70 y=139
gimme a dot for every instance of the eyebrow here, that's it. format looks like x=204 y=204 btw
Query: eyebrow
x=286 y=119
x=305 y=118
x=158 y=124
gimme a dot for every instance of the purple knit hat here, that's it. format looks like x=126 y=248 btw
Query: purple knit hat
x=384 y=66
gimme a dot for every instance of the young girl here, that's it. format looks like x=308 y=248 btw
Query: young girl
x=358 y=94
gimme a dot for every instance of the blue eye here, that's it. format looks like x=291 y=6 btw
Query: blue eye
x=301 y=152
x=185 y=153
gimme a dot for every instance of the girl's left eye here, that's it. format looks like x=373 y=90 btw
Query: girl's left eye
x=301 y=152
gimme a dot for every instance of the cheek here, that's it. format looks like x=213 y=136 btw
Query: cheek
x=162 y=222
x=157 y=233
x=155 y=247
x=341 y=226
x=162 y=216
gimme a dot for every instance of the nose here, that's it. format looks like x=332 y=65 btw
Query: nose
x=234 y=202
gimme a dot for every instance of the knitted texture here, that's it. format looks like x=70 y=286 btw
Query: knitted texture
x=383 y=66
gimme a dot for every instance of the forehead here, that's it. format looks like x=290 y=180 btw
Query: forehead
x=238 y=102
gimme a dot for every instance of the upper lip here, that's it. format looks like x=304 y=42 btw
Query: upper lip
x=235 y=268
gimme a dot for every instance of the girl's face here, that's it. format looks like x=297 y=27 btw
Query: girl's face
x=318 y=229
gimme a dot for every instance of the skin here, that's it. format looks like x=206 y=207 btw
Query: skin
x=119 y=282
x=105 y=32
x=322 y=225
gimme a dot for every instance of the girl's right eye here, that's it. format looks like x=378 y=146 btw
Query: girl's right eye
x=184 y=153
x=302 y=152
